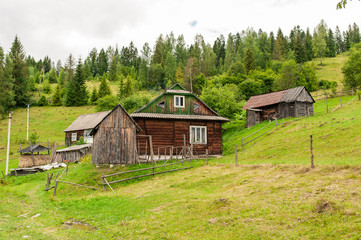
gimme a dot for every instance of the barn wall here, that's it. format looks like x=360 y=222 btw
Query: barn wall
x=170 y=133
x=115 y=140
x=304 y=109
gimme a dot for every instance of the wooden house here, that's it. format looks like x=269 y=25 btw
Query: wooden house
x=293 y=102
x=82 y=126
x=177 y=117
x=115 y=138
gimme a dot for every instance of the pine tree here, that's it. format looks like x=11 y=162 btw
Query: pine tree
x=158 y=57
x=113 y=75
x=170 y=67
x=249 y=61
x=308 y=46
x=128 y=88
x=102 y=62
x=299 y=49
x=57 y=96
x=19 y=73
x=180 y=53
x=121 y=92
x=69 y=67
x=76 y=88
x=280 y=50
x=104 y=89
x=94 y=96
x=330 y=44
x=339 y=41
x=6 y=84
x=229 y=58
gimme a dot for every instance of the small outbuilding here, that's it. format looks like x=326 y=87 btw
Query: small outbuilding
x=82 y=126
x=115 y=138
x=72 y=153
x=294 y=102
x=30 y=157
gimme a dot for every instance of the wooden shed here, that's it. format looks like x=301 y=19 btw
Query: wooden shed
x=293 y=102
x=115 y=138
x=82 y=126
x=178 y=117
x=72 y=153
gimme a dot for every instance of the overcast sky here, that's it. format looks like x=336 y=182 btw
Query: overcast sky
x=59 y=27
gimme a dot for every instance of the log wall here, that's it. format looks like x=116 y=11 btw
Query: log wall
x=170 y=132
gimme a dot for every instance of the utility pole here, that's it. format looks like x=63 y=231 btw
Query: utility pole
x=27 y=123
x=8 y=147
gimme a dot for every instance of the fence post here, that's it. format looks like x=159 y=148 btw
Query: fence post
x=207 y=156
x=103 y=182
x=235 y=153
x=55 y=187
x=312 y=163
x=326 y=104
x=340 y=101
x=276 y=124
x=242 y=144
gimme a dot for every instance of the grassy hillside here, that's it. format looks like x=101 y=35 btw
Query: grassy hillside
x=336 y=138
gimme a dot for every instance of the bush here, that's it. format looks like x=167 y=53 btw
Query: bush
x=325 y=84
x=43 y=101
x=106 y=103
x=133 y=103
x=80 y=141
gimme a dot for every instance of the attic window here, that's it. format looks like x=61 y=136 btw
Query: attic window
x=161 y=104
x=196 y=106
x=179 y=101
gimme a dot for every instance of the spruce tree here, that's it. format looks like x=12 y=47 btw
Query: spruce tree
x=94 y=96
x=76 y=88
x=330 y=44
x=113 y=75
x=299 y=49
x=57 y=96
x=19 y=73
x=104 y=89
x=280 y=49
x=128 y=88
x=339 y=41
x=308 y=46
x=6 y=84
x=249 y=61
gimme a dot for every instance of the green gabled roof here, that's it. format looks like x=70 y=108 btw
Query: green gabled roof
x=177 y=86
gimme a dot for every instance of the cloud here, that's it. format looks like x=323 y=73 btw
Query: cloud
x=193 y=23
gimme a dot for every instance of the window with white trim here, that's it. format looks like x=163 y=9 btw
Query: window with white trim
x=198 y=134
x=179 y=101
x=73 y=137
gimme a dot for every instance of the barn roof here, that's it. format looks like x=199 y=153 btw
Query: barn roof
x=289 y=95
x=34 y=148
x=119 y=105
x=87 y=121
x=178 y=116
x=175 y=89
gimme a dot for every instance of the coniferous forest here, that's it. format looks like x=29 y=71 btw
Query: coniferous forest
x=224 y=73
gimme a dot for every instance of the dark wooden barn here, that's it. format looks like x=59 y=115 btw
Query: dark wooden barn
x=177 y=117
x=82 y=126
x=115 y=138
x=293 y=102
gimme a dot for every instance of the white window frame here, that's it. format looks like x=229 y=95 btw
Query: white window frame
x=74 y=137
x=175 y=101
x=192 y=137
x=87 y=137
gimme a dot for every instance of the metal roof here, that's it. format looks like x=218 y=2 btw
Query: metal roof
x=75 y=147
x=178 y=116
x=87 y=121
x=289 y=95
x=34 y=148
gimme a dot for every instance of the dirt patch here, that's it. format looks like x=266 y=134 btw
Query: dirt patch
x=72 y=223
x=324 y=206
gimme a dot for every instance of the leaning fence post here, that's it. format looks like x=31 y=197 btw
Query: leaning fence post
x=103 y=181
x=242 y=144
x=312 y=163
x=235 y=153
x=276 y=124
x=55 y=187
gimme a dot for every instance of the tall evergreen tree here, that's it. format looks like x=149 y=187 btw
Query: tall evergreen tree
x=102 y=62
x=280 y=50
x=76 y=89
x=158 y=57
x=113 y=73
x=170 y=67
x=94 y=96
x=299 y=48
x=219 y=48
x=19 y=73
x=104 y=89
x=339 y=41
x=330 y=44
x=308 y=46
x=249 y=61
x=230 y=52
x=180 y=53
x=57 y=96
x=6 y=84
x=69 y=66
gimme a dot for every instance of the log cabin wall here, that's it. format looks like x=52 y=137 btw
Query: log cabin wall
x=68 y=141
x=115 y=139
x=169 y=132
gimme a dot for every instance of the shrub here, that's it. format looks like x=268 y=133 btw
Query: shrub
x=106 y=103
x=134 y=102
x=43 y=101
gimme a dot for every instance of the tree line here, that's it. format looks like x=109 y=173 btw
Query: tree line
x=239 y=66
